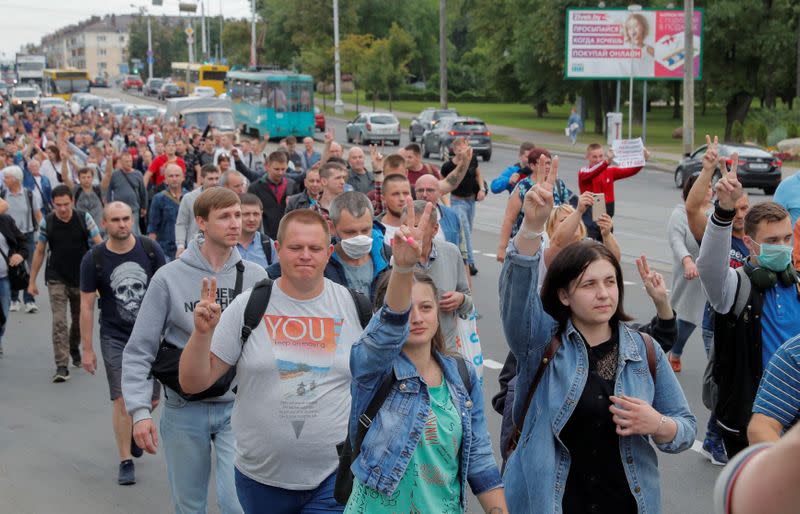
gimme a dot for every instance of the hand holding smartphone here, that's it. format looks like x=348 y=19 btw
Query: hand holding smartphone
x=598 y=206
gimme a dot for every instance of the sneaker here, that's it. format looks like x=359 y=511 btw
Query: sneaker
x=15 y=306
x=136 y=452
x=76 y=360
x=715 y=452
x=62 y=375
x=473 y=270
x=31 y=308
x=126 y=475
x=675 y=363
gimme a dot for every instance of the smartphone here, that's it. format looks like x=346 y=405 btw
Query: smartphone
x=598 y=206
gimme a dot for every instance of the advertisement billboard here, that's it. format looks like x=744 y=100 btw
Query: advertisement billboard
x=618 y=43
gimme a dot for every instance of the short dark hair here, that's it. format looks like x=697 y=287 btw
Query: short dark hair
x=354 y=202
x=337 y=160
x=85 y=169
x=223 y=157
x=328 y=167
x=391 y=179
x=291 y=140
x=61 y=190
x=569 y=265
x=208 y=168
x=526 y=146
x=394 y=160
x=688 y=185
x=413 y=147
x=251 y=199
x=304 y=217
x=770 y=212
x=278 y=156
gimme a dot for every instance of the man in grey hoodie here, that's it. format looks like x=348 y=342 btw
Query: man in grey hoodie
x=188 y=428
x=186 y=226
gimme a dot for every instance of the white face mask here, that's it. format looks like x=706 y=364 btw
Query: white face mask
x=357 y=247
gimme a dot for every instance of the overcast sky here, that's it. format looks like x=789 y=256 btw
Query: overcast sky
x=26 y=21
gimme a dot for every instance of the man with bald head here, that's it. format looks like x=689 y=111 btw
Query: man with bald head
x=163 y=214
x=359 y=178
x=119 y=270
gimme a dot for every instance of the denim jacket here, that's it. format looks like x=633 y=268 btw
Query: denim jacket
x=536 y=473
x=396 y=430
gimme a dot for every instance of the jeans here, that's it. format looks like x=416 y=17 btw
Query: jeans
x=466 y=207
x=30 y=243
x=573 y=136
x=188 y=430
x=258 y=498
x=712 y=430
x=685 y=330
x=66 y=340
x=5 y=303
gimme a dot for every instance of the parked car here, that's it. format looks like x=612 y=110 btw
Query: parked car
x=106 y=103
x=24 y=98
x=757 y=167
x=170 y=90
x=319 y=119
x=153 y=86
x=132 y=82
x=119 y=108
x=439 y=140
x=374 y=126
x=426 y=120
x=204 y=92
x=146 y=112
x=48 y=103
x=99 y=82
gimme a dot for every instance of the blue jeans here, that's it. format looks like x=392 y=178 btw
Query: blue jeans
x=188 y=430
x=258 y=498
x=685 y=330
x=5 y=303
x=466 y=207
x=30 y=243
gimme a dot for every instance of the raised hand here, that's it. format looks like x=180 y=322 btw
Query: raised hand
x=538 y=200
x=653 y=282
x=407 y=243
x=463 y=155
x=377 y=158
x=207 y=311
x=728 y=188
x=711 y=156
x=605 y=224
x=329 y=135
x=585 y=201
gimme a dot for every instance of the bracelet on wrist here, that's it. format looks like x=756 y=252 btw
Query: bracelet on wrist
x=661 y=423
x=526 y=233
x=401 y=269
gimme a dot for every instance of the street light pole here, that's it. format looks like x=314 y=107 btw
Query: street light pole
x=203 y=29
x=633 y=7
x=149 y=49
x=443 y=54
x=688 y=76
x=253 y=35
x=338 y=105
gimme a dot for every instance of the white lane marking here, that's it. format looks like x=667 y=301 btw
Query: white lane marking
x=625 y=282
x=698 y=446
x=492 y=255
x=492 y=364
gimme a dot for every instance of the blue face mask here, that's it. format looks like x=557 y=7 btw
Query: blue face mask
x=775 y=257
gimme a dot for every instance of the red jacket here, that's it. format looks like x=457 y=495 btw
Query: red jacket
x=158 y=165
x=600 y=178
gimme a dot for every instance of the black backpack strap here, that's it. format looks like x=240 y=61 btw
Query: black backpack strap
x=150 y=249
x=256 y=307
x=237 y=287
x=463 y=372
x=363 y=306
x=97 y=258
x=366 y=418
x=266 y=245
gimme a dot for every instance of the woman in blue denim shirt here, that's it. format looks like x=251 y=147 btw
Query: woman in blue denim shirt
x=585 y=441
x=429 y=438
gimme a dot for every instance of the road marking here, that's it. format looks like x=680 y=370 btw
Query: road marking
x=492 y=364
x=492 y=255
x=625 y=282
x=698 y=446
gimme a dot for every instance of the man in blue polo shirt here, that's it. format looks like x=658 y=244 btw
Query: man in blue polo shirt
x=777 y=405
x=254 y=245
x=788 y=195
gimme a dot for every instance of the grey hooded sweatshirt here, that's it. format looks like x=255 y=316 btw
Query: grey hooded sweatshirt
x=167 y=311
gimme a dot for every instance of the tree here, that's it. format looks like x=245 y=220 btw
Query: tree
x=236 y=42
x=317 y=61
x=400 y=49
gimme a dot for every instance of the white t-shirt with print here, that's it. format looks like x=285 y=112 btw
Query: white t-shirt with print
x=293 y=398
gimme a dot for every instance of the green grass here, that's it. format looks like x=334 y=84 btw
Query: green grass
x=660 y=124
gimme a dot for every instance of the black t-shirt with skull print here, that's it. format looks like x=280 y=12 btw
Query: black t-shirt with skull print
x=121 y=285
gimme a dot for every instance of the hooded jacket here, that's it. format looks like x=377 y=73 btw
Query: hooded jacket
x=167 y=312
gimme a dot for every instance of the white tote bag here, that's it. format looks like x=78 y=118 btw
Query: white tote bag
x=468 y=341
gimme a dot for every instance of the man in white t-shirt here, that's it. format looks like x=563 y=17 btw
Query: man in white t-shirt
x=293 y=374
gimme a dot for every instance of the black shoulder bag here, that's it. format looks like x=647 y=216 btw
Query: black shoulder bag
x=167 y=361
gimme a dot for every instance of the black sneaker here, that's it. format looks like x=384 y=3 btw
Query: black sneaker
x=126 y=475
x=473 y=270
x=136 y=452
x=76 y=360
x=62 y=375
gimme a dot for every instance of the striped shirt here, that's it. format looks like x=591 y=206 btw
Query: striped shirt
x=779 y=393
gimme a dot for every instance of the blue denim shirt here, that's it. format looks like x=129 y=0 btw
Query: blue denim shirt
x=398 y=426
x=536 y=473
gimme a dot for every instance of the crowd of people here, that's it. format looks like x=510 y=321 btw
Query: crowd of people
x=294 y=316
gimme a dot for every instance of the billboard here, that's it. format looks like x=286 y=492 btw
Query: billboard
x=617 y=43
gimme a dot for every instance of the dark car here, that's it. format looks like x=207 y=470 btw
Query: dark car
x=99 y=82
x=152 y=87
x=757 y=167
x=170 y=90
x=440 y=139
x=319 y=119
x=426 y=120
x=132 y=82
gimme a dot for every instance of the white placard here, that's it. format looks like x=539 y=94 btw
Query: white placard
x=628 y=153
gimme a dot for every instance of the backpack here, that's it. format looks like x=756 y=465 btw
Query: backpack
x=149 y=247
x=96 y=190
x=266 y=245
x=29 y=198
x=349 y=453
x=81 y=221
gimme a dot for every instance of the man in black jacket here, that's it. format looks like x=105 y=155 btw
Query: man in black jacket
x=273 y=189
x=14 y=252
x=306 y=199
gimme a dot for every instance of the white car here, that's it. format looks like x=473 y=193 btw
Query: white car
x=204 y=92
x=53 y=102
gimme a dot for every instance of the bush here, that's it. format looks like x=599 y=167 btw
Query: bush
x=792 y=132
x=776 y=135
x=750 y=131
x=761 y=134
x=737 y=132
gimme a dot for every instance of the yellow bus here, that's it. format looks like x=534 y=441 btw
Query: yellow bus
x=189 y=75
x=63 y=82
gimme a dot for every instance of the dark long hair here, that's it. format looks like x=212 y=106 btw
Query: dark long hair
x=569 y=265
x=437 y=343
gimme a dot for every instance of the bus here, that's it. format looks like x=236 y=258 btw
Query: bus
x=278 y=103
x=63 y=82
x=188 y=75
x=29 y=68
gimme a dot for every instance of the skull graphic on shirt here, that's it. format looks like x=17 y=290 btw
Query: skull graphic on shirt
x=129 y=283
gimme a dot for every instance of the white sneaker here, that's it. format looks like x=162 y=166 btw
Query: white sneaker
x=31 y=308
x=15 y=306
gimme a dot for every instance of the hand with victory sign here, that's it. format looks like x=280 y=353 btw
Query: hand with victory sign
x=207 y=311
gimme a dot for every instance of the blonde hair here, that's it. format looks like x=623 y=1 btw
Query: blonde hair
x=556 y=213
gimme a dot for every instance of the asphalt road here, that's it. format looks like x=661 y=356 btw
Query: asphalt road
x=56 y=446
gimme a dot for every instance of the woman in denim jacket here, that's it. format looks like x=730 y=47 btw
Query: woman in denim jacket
x=585 y=442
x=429 y=438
